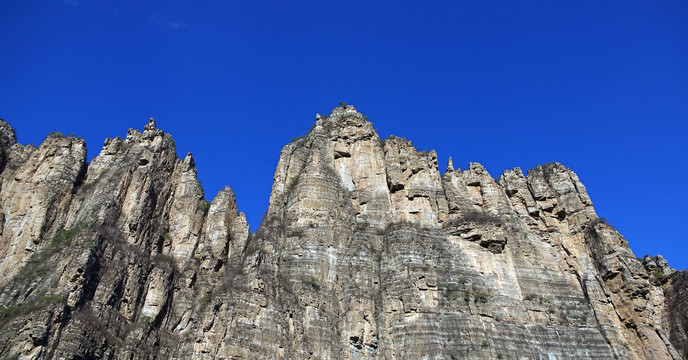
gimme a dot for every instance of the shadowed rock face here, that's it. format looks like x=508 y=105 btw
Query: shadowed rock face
x=366 y=251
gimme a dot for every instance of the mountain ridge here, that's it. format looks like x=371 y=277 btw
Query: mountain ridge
x=365 y=251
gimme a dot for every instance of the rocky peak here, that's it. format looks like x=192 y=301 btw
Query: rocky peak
x=37 y=185
x=657 y=265
x=8 y=136
x=450 y=165
x=151 y=125
x=343 y=110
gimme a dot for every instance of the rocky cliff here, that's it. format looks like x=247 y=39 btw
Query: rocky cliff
x=366 y=251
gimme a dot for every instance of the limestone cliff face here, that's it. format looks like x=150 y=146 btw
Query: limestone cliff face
x=366 y=251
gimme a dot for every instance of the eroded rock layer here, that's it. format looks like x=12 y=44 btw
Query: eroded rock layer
x=367 y=251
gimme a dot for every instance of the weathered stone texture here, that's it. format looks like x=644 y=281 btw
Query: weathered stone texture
x=366 y=251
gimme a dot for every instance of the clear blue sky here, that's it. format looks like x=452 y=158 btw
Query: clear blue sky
x=601 y=87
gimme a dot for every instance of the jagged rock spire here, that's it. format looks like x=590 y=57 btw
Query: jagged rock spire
x=151 y=125
x=8 y=136
x=450 y=165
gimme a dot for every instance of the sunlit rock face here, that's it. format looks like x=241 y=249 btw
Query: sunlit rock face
x=366 y=251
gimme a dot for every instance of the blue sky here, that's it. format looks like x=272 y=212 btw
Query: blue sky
x=601 y=87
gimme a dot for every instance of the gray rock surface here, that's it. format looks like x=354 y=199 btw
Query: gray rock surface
x=366 y=251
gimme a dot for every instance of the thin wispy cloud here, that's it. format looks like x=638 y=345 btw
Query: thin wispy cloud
x=173 y=24
x=177 y=25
